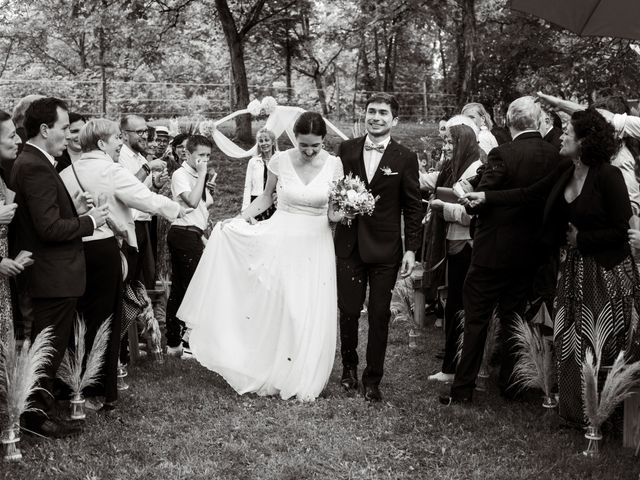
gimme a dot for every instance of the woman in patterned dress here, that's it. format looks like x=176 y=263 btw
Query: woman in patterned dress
x=9 y=141
x=598 y=291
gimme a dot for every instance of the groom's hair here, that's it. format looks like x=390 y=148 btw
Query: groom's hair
x=195 y=141
x=382 y=97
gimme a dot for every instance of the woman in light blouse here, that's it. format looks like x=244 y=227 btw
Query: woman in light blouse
x=477 y=113
x=96 y=172
x=257 y=170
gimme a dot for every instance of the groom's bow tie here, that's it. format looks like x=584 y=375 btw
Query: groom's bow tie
x=371 y=146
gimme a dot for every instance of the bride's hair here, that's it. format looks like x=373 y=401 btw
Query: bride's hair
x=310 y=123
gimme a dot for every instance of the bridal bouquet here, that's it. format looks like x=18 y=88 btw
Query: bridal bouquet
x=350 y=196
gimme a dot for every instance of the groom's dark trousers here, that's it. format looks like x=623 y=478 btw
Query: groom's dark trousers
x=353 y=275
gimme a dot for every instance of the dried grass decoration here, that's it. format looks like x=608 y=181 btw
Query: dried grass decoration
x=71 y=369
x=621 y=379
x=20 y=371
x=534 y=366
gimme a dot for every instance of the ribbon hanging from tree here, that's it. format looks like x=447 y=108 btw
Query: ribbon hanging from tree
x=281 y=119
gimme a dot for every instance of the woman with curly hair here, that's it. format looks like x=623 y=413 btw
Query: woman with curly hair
x=598 y=293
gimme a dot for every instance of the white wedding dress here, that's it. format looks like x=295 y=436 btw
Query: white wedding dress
x=262 y=303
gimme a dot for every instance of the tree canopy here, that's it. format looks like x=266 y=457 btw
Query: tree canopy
x=207 y=57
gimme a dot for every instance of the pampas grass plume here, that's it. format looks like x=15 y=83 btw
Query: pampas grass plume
x=617 y=387
x=532 y=369
x=20 y=371
x=71 y=371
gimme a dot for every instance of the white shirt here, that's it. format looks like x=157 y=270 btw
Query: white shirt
x=100 y=175
x=486 y=140
x=133 y=162
x=372 y=157
x=184 y=180
x=254 y=180
x=53 y=161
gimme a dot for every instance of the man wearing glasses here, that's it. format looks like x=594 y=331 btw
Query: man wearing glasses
x=133 y=158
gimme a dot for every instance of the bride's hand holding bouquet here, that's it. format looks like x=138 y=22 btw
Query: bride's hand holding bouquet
x=349 y=198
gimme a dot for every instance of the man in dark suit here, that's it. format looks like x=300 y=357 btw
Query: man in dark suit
x=506 y=246
x=370 y=251
x=47 y=224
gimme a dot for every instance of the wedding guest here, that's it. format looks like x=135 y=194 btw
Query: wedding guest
x=186 y=236
x=256 y=177
x=499 y=273
x=97 y=172
x=18 y=119
x=174 y=157
x=624 y=157
x=73 y=150
x=550 y=126
x=450 y=239
x=428 y=179
x=588 y=211
x=9 y=142
x=162 y=141
x=482 y=119
x=48 y=225
x=133 y=158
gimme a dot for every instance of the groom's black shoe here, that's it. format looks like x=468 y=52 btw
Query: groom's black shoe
x=453 y=400
x=349 y=380
x=371 y=393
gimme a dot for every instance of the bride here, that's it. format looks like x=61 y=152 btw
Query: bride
x=262 y=302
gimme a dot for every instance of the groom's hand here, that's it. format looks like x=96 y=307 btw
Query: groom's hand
x=408 y=262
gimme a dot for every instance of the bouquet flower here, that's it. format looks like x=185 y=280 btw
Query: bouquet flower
x=350 y=196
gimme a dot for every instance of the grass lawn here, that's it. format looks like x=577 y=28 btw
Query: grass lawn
x=180 y=421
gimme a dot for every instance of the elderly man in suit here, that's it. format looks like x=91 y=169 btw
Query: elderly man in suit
x=507 y=250
x=370 y=251
x=47 y=224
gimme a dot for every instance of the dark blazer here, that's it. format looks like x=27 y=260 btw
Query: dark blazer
x=553 y=137
x=602 y=212
x=378 y=237
x=507 y=234
x=46 y=223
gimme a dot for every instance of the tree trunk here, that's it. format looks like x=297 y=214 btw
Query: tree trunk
x=388 y=65
x=376 y=58
x=236 y=53
x=317 y=78
x=466 y=56
x=287 y=65
x=443 y=60
x=368 y=82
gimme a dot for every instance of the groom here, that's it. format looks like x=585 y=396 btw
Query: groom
x=370 y=251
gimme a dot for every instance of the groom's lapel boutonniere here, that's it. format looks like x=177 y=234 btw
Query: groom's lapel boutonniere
x=387 y=171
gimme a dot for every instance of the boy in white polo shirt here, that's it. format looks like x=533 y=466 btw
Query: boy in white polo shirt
x=185 y=237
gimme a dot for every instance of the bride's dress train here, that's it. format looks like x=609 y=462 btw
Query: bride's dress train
x=262 y=302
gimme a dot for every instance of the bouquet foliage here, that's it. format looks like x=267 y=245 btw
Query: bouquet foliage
x=350 y=195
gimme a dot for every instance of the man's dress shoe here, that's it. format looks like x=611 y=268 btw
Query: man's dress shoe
x=372 y=393
x=452 y=400
x=54 y=429
x=349 y=380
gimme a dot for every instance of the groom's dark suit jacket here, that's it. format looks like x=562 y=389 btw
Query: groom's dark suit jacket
x=46 y=223
x=378 y=237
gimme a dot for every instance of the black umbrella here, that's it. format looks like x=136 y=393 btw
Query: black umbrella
x=592 y=18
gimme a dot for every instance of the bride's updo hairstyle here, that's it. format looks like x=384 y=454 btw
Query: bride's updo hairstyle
x=310 y=123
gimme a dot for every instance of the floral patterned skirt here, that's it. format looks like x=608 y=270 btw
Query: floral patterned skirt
x=6 y=312
x=592 y=302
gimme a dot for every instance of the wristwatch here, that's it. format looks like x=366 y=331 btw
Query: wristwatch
x=146 y=168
